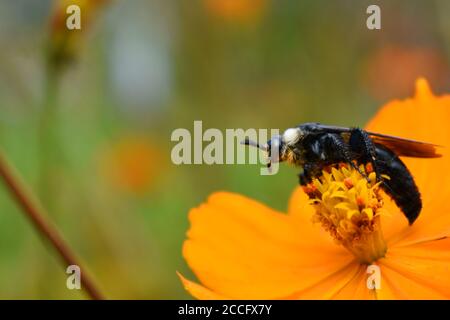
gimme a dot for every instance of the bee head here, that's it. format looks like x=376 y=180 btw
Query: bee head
x=280 y=147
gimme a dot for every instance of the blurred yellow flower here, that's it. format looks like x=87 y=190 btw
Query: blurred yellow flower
x=236 y=10
x=132 y=165
x=242 y=249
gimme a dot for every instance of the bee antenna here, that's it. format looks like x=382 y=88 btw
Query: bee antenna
x=252 y=143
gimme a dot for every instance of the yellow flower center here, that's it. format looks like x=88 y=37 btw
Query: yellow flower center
x=349 y=206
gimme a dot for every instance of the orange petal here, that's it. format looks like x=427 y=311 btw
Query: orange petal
x=420 y=271
x=198 y=291
x=333 y=285
x=398 y=233
x=312 y=234
x=356 y=288
x=241 y=249
x=423 y=117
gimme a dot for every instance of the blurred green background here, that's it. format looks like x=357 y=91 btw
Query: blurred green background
x=86 y=116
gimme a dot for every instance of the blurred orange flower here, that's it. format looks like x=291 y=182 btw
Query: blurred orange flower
x=390 y=70
x=133 y=164
x=236 y=10
x=241 y=249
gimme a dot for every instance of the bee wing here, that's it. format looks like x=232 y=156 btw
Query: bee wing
x=406 y=147
x=402 y=147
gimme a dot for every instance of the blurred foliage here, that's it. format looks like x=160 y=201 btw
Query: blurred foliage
x=91 y=133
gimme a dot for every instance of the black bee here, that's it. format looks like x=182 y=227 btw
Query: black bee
x=314 y=146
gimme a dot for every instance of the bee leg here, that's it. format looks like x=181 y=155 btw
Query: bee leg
x=345 y=152
x=310 y=170
x=361 y=144
x=303 y=179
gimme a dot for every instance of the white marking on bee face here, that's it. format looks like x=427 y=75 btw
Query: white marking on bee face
x=291 y=135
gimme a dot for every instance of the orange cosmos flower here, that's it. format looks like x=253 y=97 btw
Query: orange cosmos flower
x=242 y=249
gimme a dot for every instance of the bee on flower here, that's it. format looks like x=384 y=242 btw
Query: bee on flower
x=337 y=224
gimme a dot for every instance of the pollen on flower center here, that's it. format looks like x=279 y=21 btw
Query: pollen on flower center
x=348 y=206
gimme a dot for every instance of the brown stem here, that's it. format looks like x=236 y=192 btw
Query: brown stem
x=36 y=214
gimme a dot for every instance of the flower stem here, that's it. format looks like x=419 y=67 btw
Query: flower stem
x=48 y=135
x=37 y=216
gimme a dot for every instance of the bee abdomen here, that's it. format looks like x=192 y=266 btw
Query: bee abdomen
x=400 y=185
